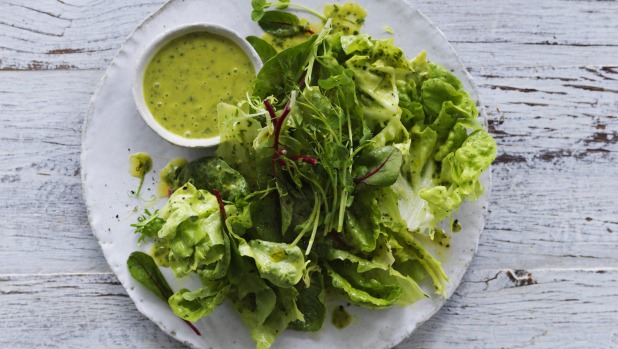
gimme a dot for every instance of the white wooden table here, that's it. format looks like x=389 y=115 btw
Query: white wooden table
x=546 y=272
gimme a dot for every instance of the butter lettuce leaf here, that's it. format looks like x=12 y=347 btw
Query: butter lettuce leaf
x=279 y=263
x=187 y=202
x=369 y=280
x=193 y=305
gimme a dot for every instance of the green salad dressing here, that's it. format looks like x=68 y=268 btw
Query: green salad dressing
x=139 y=165
x=168 y=174
x=189 y=76
x=340 y=317
x=160 y=253
x=347 y=18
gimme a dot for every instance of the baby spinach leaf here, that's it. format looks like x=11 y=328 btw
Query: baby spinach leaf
x=362 y=222
x=281 y=24
x=144 y=269
x=211 y=173
x=263 y=214
x=311 y=303
x=263 y=48
x=281 y=73
x=379 y=167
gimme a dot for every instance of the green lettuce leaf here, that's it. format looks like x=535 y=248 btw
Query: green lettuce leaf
x=211 y=173
x=265 y=310
x=282 y=73
x=186 y=202
x=279 y=263
x=362 y=222
x=311 y=303
x=193 y=305
x=238 y=131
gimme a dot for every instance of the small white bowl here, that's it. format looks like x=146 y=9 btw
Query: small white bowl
x=153 y=48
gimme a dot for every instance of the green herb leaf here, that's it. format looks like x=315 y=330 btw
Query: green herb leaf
x=379 y=167
x=283 y=4
x=148 y=225
x=256 y=15
x=281 y=24
x=263 y=48
x=258 y=4
x=144 y=269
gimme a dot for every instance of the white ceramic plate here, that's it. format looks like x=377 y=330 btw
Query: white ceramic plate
x=113 y=130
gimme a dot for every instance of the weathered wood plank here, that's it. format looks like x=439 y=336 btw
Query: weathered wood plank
x=526 y=309
x=555 y=176
x=491 y=309
x=49 y=34
x=528 y=33
x=44 y=223
x=73 y=311
x=41 y=35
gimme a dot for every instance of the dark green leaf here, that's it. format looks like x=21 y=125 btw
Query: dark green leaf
x=362 y=222
x=281 y=24
x=311 y=303
x=265 y=225
x=263 y=48
x=379 y=167
x=281 y=73
x=144 y=269
x=211 y=173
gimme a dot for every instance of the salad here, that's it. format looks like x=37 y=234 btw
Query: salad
x=335 y=175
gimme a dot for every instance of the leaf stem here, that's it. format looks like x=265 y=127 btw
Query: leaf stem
x=197 y=332
x=221 y=206
x=374 y=171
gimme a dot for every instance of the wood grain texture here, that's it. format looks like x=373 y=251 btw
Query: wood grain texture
x=526 y=309
x=52 y=34
x=491 y=309
x=546 y=269
x=42 y=211
x=555 y=202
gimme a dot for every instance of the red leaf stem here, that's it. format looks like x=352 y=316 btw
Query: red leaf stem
x=305 y=158
x=197 y=332
x=371 y=173
x=271 y=111
x=221 y=206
